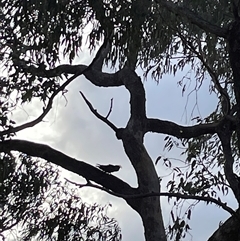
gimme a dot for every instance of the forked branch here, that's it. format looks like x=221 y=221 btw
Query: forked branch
x=94 y=111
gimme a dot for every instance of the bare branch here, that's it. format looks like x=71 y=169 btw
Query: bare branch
x=161 y=194
x=96 y=63
x=193 y=197
x=102 y=118
x=81 y=168
x=110 y=109
x=95 y=76
x=171 y=128
x=50 y=73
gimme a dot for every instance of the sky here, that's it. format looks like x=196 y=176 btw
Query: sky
x=73 y=129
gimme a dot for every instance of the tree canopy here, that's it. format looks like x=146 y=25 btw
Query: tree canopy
x=40 y=40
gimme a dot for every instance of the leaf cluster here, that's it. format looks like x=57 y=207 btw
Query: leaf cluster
x=199 y=173
x=36 y=205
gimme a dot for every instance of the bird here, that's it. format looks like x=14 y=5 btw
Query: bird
x=109 y=168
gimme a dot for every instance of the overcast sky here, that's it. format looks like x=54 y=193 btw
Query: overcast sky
x=74 y=130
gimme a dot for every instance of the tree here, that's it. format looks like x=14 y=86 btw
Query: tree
x=160 y=37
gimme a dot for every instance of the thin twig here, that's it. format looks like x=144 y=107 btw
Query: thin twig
x=94 y=111
x=110 y=109
x=212 y=74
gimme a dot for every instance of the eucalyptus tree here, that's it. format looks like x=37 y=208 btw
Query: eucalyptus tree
x=146 y=34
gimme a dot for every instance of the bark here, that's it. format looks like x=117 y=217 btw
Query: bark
x=132 y=137
x=148 y=208
x=170 y=128
x=228 y=231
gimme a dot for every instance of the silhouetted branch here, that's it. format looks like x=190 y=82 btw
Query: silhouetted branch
x=225 y=138
x=97 y=60
x=110 y=109
x=102 y=118
x=163 y=194
x=171 y=128
x=45 y=110
x=78 y=167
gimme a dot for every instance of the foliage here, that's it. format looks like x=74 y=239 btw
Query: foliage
x=34 y=38
x=34 y=35
x=37 y=205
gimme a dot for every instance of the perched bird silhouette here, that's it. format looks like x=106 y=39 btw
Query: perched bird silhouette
x=109 y=168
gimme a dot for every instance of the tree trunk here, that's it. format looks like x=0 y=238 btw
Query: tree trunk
x=148 y=208
x=228 y=231
x=151 y=215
